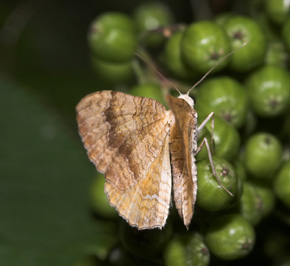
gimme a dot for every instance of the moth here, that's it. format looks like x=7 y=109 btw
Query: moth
x=131 y=140
x=143 y=150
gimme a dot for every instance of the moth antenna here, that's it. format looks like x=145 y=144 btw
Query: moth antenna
x=158 y=73
x=214 y=66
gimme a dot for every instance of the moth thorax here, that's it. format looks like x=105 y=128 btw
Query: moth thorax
x=187 y=98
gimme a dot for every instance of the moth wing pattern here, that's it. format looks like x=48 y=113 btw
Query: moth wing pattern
x=127 y=138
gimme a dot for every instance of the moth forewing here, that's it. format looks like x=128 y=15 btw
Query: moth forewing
x=127 y=138
x=182 y=145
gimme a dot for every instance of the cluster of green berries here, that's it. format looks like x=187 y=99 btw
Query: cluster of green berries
x=249 y=92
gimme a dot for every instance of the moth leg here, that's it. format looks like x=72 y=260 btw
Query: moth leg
x=211 y=115
x=202 y=125
x=204 y=141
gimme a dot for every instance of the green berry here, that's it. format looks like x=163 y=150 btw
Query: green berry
x=276 y=54
x=173 y=59
x=240 y=168
x=282 y=184
x=150 y=90
x=277 y=10
x=268 y=91
x=203 y=44
x=250 y=204
x=285 y=32
x=240 y=189
x=256 y=203
x=189 y=250
x=222 y=18
x=250 y=124
x=267 y=198
x=267 y=27
x=230 y=237
x=175 y=253
x=242 y=29
x=149 y=16
x=112 y=37
x=226 y=139
x=225 y=97
x=263 y=154
x=112 y=72
x=211 y=196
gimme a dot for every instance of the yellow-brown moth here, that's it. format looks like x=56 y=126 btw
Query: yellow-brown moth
x=131 y=139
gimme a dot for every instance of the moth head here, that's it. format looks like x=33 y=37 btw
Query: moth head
x=187 y=98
